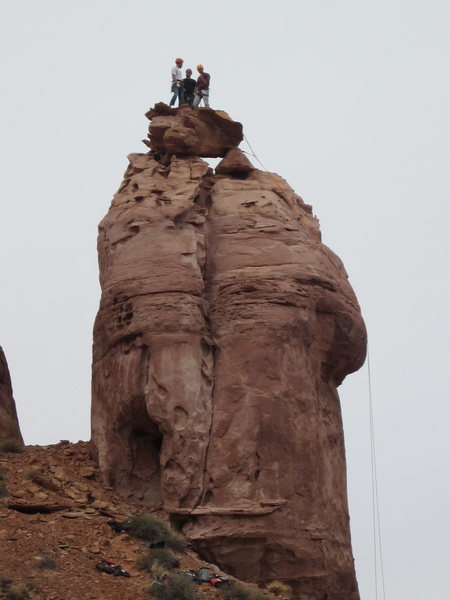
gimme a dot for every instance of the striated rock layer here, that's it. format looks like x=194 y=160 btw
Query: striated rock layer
x=9 y=424
x=224 y=329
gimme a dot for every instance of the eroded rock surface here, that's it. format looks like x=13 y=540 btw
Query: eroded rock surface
x=224 y=329
x=192 y=131
x=9 y=424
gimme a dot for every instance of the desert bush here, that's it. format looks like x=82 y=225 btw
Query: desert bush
x=10 y=446
x=4 y=583
x=236 y=591
x=162 y=556
x=176 y=542
x=155 y=531
x=46 y=562
x=280 y=589
x=17 y=592
x=3 y=489
x=33 y=472
x=180 y=587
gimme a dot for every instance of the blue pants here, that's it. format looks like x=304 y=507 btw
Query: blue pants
x=177 y=93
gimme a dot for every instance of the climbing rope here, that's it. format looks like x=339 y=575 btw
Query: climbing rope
x=377 y=546
x=252 y=153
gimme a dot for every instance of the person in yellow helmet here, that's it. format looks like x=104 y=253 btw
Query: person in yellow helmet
x=202 y=87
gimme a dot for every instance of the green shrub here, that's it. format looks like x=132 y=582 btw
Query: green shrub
x=236 y=591
x=155 y=531
x=46 y=562
x=176 y=541
x=180 y=587
x=10 y=445
x=163 y=556
x=17 y=592
x=278 y=588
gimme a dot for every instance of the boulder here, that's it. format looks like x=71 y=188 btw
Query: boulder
x=225 y=327
x=9 y=424
x=192 y=131
x=234 y=163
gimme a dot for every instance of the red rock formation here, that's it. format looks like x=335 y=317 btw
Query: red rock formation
x=9 y=424
x=224 y=329
x=192 y=131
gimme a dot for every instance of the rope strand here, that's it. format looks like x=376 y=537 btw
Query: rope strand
x=252 y=153
x=377 y=545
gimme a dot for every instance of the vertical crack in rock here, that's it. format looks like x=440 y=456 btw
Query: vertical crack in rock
x=204 y=199
x=224 y=329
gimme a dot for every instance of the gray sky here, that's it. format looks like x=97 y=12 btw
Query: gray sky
x=348 y=100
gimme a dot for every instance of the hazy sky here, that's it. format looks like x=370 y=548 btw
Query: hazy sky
x=348 y=100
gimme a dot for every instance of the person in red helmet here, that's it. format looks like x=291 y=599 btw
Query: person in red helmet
x=177 y=83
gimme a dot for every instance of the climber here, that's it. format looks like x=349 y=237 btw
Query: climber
x=189 y=87
x=177 y=82
x=202 y=87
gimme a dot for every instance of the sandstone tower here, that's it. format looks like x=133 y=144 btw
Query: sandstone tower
x=225 y=327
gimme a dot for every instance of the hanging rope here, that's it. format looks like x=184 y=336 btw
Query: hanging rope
x=252 y=153
x=377 y=546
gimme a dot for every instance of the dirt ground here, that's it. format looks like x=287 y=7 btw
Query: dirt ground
x=55 y=512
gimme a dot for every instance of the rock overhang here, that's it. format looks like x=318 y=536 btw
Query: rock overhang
x=187 y=131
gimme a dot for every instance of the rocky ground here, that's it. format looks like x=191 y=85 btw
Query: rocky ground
x=53 y=529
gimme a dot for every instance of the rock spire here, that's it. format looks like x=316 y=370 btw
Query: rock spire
x=225 y=327
x=9 y=424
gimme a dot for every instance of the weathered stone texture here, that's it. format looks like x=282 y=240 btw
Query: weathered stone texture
x=192 y=131
x=224 y=329
x=9 y=424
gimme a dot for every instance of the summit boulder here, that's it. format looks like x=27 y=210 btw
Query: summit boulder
x=192 y=131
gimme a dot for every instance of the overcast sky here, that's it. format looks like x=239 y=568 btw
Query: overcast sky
x=348 y=100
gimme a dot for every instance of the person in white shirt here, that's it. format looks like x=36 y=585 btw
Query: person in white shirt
x=177 y=83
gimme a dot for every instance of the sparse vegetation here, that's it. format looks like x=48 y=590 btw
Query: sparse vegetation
x=162 y=556
x=280 y=589
x=10 y=445
x=180 y=587
x=154 y=531
x=17 y=591
x=46 y=562
x=237 y=591
x=3 y=489
x=4 y=584
x=33 y=472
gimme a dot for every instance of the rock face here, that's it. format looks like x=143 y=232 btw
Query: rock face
x=9 y=424
x=224 y=329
